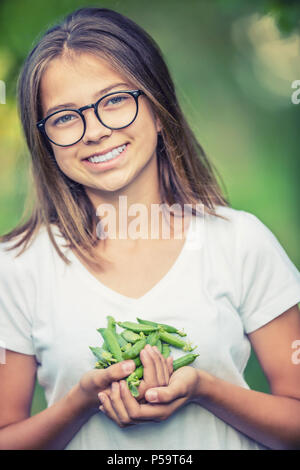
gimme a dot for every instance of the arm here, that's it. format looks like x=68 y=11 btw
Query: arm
x=54 y=427
x=273 y=420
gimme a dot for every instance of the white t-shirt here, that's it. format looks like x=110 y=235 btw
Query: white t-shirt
x=230 y=278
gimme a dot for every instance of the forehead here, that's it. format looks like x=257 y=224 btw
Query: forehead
x=75 y=78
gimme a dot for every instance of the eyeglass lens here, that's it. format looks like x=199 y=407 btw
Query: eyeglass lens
x=115 y=111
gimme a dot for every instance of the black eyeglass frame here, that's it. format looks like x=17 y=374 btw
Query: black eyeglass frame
x=135 y=93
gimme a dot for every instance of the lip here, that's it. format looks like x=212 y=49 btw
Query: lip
x=108 y=165
x=104 y=151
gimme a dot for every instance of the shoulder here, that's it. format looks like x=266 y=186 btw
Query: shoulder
x=222 y=231
x=241 y=236
x=38 y=252
x=241 y=226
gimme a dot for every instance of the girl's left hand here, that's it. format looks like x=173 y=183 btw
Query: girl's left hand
x=123 y=408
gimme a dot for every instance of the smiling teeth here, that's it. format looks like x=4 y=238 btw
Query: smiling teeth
x=108 y=156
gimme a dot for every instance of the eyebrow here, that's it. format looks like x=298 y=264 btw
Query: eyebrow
x=72 y=105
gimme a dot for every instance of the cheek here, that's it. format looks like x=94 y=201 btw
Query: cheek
x=63 y=160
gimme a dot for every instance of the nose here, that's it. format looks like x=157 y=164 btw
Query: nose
x=94 y=129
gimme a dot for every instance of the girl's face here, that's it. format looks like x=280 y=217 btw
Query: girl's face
x=79 y=81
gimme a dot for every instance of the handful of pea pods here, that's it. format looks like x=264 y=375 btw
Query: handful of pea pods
x=129 y=343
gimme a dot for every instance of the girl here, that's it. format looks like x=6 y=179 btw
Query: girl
x=104 y=128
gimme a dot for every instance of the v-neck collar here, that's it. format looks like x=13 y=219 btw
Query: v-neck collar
x=98 y=285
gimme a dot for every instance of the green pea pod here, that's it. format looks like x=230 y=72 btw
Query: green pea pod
x=137 y=361
x=165 y=350
x=112 y=342
x=159 y=345
x=126 y=347
x=137 y=327
x=130 y=336
x=102 y=355
x=174 y=341
x=135 y=349
x=134 y=379
x=122 y=341
x=153 y=338
x=111 y=323
x=133 y=390
x=100 y=365
x=184 y=361
x=168 y=328
x=136 y=375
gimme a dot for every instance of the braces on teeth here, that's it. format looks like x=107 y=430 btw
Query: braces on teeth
x=108 y=156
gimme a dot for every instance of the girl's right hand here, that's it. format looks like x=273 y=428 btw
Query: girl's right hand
x=98 y=380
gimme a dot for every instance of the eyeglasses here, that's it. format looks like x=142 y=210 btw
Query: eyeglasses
x=115 y=110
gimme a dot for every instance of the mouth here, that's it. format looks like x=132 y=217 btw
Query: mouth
x=113 y=154
x=98 y=163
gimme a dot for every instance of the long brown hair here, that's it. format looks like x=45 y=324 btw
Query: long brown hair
x=185 y=173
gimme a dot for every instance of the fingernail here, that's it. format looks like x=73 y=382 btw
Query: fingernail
x=128 y=367
x=151 y=395
x=101 y=397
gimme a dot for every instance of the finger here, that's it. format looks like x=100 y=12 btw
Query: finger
x=157 y=372
x=114 y=373
x=131 y=404
x=140 y=413
x=149 y=375
x=112 y=410
x=164 y=366
x=162 y=372
x=158 y=412
x=118 y=405
x=167 y=394
x=170 y=364
x=106 y=407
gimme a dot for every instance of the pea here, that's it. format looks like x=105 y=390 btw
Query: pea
x=168 y=328
x=153 y=338
x=135 y=349
x=174 y=341
x=122 y=341
x=133 y=389
x=159 y=345
x=165 y=350
x=184 y=361
x=112 y=343
x=130 y=336
x=100 y=365
x=137 y=361
x=133 y=380
x=136 y=374
x=126 y=347
x=103 y=356
x=111 y=323
x=137 y=327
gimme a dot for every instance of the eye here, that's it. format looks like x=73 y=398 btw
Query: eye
x=64 y=119
x=115 y=100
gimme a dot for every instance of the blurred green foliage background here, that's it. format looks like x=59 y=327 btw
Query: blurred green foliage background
x=233 y=63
